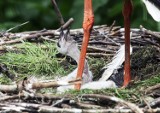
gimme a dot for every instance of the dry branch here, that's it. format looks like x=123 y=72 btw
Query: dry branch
x=6 y=98
x=150 y=89
x=73 y=110
x=100 y=49
x=88 y=106
x=132 y=106
x=148 y=32
x=37 y=85
x=99 y=36
x=25 y=36
x=59 y=15
x=36 y=96
x=28 y=107
x=99 y=55
x=76 y=110
x=111 y=27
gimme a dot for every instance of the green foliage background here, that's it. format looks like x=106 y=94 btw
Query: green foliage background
x=41 y=15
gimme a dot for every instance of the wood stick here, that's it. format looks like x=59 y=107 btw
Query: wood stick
x=98 y=55
x=38 y=85
x=111 y=27
x=46 y=109
x=27 y=36
x=60 y=18
x=28 y=107
x=149 y=32
x=5 y=98
x=150 y=89
x=88 y=106
x=100 y=49
x=67 y=24
x=132 y=106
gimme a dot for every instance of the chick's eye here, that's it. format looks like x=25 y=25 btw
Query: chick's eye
x=58 y=44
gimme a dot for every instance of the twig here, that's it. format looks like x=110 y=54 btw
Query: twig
x=88 y=106
x=29 y=107
x=148 y=105
x=45 y=109
x=38 y=85
x=60 y=18
x=48 y=96
x=36 y=96
x=67 y=24
x=8 y=88
x=111 y=27
x=150 y=89
x=149 y=32
x=152 y=42
x=106 y=36
x=17 y=26
x=102 y=43
x=66 y=106
x=5 y=98
x=100 y=49
x=27 y=36
x=59 y=102
x=132 y=106
x=7 y=48
x=48 y=39
x=97 y=55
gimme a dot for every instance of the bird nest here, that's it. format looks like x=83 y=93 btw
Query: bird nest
x=141 y=96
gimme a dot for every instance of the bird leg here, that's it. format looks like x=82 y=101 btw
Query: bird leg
x=127 y=10
x=87 y=26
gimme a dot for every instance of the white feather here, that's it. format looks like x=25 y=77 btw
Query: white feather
x=87 y=77
x=96 y=85
x=117 y=61
x=63 y=89
x=152 y=10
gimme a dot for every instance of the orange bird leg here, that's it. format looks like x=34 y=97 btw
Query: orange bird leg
x=87 y=26
x=127 y=10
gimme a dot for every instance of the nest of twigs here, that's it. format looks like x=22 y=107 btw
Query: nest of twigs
x=142 y=96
